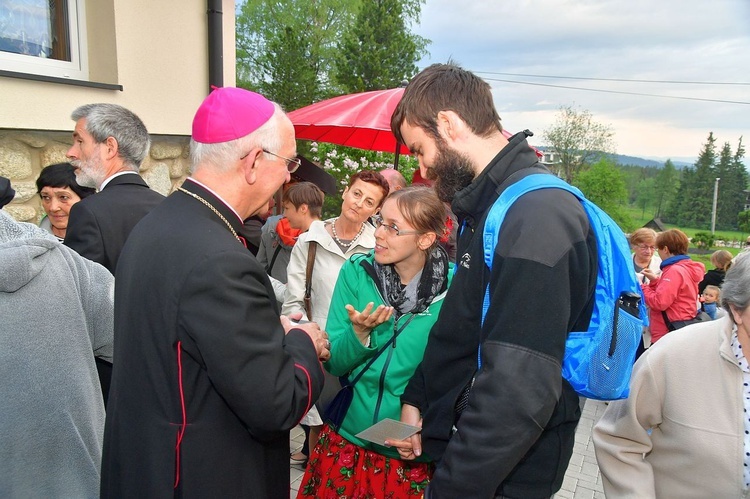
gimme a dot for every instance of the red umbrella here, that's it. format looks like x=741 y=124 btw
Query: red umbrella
x=360 y=120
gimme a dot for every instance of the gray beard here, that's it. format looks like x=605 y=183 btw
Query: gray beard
x=85 y=177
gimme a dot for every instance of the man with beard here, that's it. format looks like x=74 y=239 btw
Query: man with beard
x=495 y=412
x=109 y=144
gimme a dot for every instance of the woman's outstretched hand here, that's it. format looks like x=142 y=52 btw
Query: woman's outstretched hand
x=368 y=319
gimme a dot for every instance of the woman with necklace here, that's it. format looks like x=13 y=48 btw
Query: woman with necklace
x=334 y=240
x=382 y=310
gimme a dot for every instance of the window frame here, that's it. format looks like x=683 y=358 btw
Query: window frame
x=75 y=69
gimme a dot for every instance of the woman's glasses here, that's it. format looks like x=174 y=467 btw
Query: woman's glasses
x=392 y=228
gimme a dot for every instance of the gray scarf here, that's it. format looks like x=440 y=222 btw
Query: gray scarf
x=417 y=295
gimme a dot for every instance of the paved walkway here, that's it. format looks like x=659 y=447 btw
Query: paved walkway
x=582 y=480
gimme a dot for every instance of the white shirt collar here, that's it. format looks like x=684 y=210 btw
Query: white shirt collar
x=106 y=180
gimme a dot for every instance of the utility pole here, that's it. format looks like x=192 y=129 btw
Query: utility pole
x=716 y=196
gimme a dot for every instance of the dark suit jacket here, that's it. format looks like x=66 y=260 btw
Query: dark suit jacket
x=100 y=224
x=206 y=385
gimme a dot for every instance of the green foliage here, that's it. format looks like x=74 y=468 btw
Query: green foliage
x=379 y=51
x=693 y=203
x=297 y=52
x=665 y=187
x=604 y=185
x=285 y=50
x=342 y=162
x=703 y=240
x=578 y=140
x=743 y=220
x=645 y=193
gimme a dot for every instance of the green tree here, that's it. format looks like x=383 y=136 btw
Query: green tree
x=732 y=190
x=286 y=50
x=726 y=214
x=578 y=140
x=645 y=194
x=692 y=205
x=604 y=185
x=379 y=51
x=743 y=220
x=665 y=187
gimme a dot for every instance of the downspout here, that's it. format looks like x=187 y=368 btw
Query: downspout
x=215 y=45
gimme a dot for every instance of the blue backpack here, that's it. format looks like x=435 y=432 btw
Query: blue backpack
x=598 y=362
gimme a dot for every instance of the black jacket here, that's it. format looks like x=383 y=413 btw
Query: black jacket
x=100 y=224
x=516 y=436
x=206 y=385
x=714 y=277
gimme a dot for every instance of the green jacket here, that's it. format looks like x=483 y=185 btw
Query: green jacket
x=377 y=394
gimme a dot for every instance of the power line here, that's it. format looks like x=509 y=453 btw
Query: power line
x=618 y=79
x=618 y=92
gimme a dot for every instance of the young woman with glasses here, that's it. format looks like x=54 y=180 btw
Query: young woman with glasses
x=392 y=294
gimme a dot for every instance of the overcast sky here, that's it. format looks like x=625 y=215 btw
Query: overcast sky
x=676 y=40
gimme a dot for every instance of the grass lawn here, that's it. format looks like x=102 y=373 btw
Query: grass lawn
x=640 y=219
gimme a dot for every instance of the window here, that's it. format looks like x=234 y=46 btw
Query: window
x=43 y=37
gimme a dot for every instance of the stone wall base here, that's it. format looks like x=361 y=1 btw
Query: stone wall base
x=23 y=154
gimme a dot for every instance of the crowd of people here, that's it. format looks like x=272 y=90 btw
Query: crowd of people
x=192 y=332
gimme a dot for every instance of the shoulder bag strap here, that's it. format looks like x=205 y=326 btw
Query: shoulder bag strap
x=312 y=248
x=273 y=259
x=382 y=349
x=669 y=324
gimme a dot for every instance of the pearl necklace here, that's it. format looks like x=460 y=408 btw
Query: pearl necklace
x=336 y=237
x=234 y=233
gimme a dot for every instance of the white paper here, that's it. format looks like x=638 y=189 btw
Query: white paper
x=387 y=429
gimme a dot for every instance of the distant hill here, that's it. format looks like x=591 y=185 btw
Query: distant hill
x=622 y=159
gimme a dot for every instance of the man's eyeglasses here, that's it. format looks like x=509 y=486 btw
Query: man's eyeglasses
x=392 y=228
x=645 y=247
x=291 y=163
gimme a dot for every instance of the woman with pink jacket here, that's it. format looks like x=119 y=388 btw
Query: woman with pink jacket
x=675 y=291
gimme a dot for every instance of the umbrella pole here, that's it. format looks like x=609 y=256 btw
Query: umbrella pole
x=398 y=149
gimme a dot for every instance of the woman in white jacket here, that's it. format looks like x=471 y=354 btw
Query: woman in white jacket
x=684 y=431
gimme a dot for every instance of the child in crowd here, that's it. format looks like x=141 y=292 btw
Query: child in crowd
x=302 y=203
x=709 y=298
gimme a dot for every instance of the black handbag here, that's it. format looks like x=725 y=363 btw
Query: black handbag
x=674 y=325
x=337 y=409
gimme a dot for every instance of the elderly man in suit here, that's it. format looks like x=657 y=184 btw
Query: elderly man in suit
x=109 y=145
x=208 y=379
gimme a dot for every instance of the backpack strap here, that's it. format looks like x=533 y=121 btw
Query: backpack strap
x=530 y=181
x=312 y=248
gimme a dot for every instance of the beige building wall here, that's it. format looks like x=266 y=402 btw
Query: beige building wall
x=161 y=61
x=157 y=51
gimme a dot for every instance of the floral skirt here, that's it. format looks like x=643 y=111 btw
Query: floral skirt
x=340 y=469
